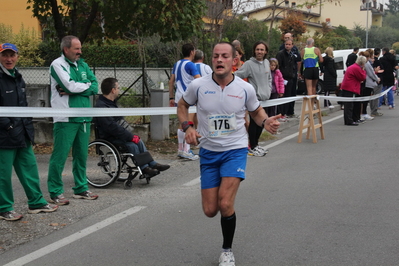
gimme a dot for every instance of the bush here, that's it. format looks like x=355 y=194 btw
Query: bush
x=111 y=55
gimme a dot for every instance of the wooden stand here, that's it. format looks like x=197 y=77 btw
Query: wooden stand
x=308 y=114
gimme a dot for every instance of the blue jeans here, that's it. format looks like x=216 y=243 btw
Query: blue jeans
x=389 y=96
x=139 y=148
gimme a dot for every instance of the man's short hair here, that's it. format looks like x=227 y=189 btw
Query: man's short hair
x=107 y=85
x=236 y=43
x=385 y=50
x=233 y=49
x=356 y=49
x=187 y=49
x=309 y=41
x=256 y=44
x=66 y=42
x=377 y=51
x=198 y=55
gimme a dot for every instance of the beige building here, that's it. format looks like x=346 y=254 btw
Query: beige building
x=14 y=13
x=347 y=13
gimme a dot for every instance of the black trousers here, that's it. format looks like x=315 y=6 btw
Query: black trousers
x=287 y=108
x=351 y=109
x=254 y=132
x=366 y=92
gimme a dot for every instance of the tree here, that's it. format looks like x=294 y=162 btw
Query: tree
x=393 y=6
x=293 y=23
x=6 y=34
x=96 y=19
x=28 y=41
x=247 y=31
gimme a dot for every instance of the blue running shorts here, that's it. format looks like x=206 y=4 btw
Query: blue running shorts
x=215 y=165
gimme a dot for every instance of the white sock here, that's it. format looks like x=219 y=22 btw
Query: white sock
x=181 y=139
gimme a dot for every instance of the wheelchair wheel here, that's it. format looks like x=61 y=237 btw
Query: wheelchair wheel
x=103 y=164
x=127 y=184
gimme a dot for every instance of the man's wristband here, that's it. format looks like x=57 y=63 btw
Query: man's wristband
x=263 y=123
x=171 y=98
x=186 y=124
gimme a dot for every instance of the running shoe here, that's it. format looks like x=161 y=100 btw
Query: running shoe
x=265 y=151
x=45 y=208
x=188 y=155
x=367 y=117
x=86 y=195
x=227 y=258
x=10 y=216
x=256 y=152
x=60 y=200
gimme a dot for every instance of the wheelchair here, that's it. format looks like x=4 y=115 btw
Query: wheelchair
x=107 y=161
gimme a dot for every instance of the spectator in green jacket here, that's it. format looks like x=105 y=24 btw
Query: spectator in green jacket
x=72 y=83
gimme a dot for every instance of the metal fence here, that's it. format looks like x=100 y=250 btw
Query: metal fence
x=131 y=78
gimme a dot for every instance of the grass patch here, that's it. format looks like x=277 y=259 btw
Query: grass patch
x=265 y=136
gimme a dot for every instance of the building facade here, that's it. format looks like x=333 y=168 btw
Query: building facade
x=347 y=13
x=14 y=13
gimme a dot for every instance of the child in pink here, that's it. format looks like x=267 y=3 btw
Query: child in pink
x=277 y=86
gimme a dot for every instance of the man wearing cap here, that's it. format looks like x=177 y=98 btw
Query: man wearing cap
x=16 y=138
x=72 y=83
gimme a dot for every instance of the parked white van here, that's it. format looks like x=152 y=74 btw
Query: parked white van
x=340 y=57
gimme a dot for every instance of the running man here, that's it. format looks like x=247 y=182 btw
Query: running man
x=222 y=100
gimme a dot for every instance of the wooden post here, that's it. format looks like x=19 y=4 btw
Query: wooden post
x=308 y=112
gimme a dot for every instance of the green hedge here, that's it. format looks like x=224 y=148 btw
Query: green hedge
x=111 y=55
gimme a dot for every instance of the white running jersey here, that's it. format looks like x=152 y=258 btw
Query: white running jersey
x=184 y=71
x=221 y=113
x=203 y=69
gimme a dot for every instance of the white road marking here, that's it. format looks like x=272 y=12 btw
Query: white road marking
x=296 y=134
x=74 y=237
x=193 y=182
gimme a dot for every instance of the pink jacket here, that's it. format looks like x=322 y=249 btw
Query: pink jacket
x=279 y=81
x=354 y=75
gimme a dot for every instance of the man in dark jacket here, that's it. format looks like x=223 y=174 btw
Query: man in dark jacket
x=297 y=67
x=16 y=138
x=388 y=63
x=287 y=61
x=352 y=57
x=116 y=130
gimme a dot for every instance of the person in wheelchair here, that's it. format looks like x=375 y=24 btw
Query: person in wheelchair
x=116 y=130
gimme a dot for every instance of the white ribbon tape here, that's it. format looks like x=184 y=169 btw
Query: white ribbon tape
x=98 y=112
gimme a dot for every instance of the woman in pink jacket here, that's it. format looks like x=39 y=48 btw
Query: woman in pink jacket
x=354 y=76
x=277 y=86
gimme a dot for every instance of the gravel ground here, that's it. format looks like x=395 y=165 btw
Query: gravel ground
x=33 y=226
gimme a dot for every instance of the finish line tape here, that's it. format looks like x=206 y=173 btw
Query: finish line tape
x=12 y=111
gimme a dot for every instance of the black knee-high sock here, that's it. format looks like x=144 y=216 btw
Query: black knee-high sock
x=228 y=229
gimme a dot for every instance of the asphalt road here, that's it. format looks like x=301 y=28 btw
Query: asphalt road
x=330 y=203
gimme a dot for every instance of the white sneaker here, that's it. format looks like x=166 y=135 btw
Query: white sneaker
x=367 y=117
x=188 y=155
x=331 y=107
x=256 y=152
x=227 y=259
x=261 y=149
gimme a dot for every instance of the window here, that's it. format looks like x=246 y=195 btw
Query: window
x=339 y=63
